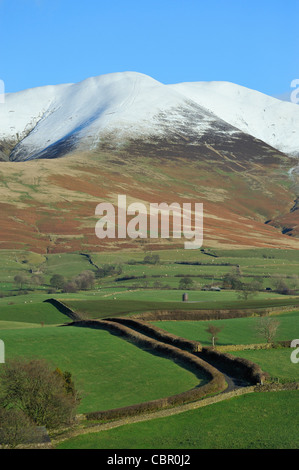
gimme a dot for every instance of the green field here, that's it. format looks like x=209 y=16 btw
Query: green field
x=13 y=325
x=109 y=371
x=35 y=312
x=101 y=308
x=32 y=308
x=254 y=421
x=114 y=294
x=274 y=361
x=234 y=331
x=264 y=263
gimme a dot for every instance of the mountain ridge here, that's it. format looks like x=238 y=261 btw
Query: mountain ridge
x=51 y=121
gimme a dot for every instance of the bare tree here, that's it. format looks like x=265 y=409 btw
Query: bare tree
x=85 y=280
x=37 y=279
x=280 y=284
x=20 y=280
x=247 y=290
x=267 y=327
x=213 y=331
x=232 y=280
x=70 y=287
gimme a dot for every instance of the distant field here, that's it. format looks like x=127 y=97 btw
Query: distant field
x=235 y=331
x=109 y=371
x=264 y=263
x=31 y=313
x=254 y=421
x=103 y=308
x=236 y=255
x=31 y=308
x=169 y=295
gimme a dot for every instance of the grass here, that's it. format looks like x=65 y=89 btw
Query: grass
x=235 y=331
x=67 y=264
x=32 y=313
x=31 y=308
x=274 y=361
x=109 y=371
x=170 y=295
x=265 y=263
x=13 y=325
x=253 y=421
x=120 y=305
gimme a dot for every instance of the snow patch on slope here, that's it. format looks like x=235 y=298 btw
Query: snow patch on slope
x=264 y=117
x=22 y=111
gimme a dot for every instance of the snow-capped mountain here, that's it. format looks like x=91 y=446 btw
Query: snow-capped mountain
x=208 y=142
x=48 y=122
x=269 y=119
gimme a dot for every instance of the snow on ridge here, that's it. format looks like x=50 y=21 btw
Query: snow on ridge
x=267 y=118
x=130 y=102
x=127 y=102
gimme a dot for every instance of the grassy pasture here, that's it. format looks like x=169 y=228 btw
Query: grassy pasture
x=274 y=361
x=102 y=308
x=13 y=325
x=235 y=331
x=35 y=312
x=169 y=295
x=265 y=263
x=105 y=302
x=254 y=421
x=67 y=264
x=98 y=304
x=109 y=371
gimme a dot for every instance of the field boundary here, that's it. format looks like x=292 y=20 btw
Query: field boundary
x=63 y=308
x=209 y=314
x=216 y=384
x=177 y=314
x=257 y=346
x=158 y=333
x=234 y=365
x=155 y=414
x=99 y=427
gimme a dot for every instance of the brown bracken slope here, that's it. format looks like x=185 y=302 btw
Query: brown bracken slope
x=48 y=206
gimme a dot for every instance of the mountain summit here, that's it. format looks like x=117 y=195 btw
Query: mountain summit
x=51 y=121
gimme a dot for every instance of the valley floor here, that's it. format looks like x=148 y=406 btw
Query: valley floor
x=111 y=372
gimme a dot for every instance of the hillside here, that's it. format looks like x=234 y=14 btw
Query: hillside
x=129 y=134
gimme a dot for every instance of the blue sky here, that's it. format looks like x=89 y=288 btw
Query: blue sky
x=249 y=42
